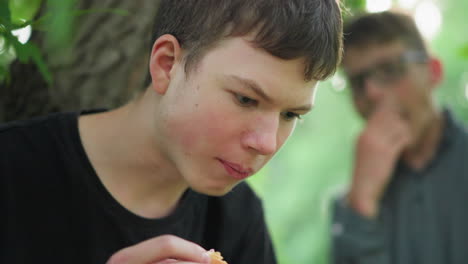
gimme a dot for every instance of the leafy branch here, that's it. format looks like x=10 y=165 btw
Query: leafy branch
x=57 y=26
x=26 y=52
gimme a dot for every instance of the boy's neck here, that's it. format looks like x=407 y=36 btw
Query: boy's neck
x=126 y=160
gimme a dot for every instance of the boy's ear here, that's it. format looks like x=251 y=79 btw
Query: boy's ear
x=165 y=56
x=436 y=71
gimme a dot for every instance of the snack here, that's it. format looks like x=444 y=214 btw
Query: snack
x=216 y=257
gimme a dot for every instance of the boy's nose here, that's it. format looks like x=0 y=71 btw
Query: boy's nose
x=263 y=136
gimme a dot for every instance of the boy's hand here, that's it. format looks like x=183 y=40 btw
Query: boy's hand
x=162 y=250
x=377 y=150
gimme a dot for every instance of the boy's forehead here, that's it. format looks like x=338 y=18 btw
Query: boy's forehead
x=236 y=61
x=240 y=50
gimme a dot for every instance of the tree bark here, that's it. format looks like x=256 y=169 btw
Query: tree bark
x=105 y=68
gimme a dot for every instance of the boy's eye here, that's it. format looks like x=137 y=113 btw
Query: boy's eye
x=288 y=116
x=245 y=101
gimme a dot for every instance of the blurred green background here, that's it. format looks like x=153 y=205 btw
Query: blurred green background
x=299 y=183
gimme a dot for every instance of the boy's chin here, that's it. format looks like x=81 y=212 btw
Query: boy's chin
x=214 y=190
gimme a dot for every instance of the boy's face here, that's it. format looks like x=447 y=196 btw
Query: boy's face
x=224 y=120
x=391 y=70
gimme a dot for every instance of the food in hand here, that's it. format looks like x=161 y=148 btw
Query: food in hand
x=216 y=257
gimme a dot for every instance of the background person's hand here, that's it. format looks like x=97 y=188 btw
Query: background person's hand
x=162 y=250
x=377 y=150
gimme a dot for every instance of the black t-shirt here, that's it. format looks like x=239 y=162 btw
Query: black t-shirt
x=54 y=209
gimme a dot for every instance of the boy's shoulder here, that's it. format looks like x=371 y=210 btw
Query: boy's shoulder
x=33 y=138
x=15 y=132
x=18 y=125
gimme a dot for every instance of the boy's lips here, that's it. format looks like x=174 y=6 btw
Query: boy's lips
x=236 y=170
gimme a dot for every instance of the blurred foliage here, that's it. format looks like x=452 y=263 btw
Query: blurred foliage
x=350 y=7
x=11 y=47
x=61 y=22
x=22 y=10
x=316 y=163
x=464 y=52
x=57 y=21
x=355 y=4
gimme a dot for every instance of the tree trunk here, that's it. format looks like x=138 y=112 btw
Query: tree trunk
x=106 y=67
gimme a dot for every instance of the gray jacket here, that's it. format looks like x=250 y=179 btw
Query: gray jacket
x=423 y=217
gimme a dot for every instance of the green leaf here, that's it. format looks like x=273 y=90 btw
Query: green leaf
x=9 y=40
x=27 y=52
x=41 y=23
x=4 y=74
x=60 y=23
x=5 y=15
x=40 y=63
x=22 y=53
x=22 y=10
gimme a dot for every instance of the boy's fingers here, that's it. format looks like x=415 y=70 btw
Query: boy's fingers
x=174 y=262
x=160 y=249
x=167 y=261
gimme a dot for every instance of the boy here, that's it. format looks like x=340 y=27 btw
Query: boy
x=153 y=181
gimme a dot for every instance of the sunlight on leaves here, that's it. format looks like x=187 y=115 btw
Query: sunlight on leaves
x=378 y=5
x=23 y=34
x=428 y=19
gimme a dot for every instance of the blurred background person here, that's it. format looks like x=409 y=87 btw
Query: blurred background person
x=406 y=201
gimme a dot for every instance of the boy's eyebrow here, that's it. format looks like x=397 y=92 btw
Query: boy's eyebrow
x=252 y=85
x=305 y=108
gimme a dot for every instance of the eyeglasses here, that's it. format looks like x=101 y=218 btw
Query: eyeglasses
x=386 y=72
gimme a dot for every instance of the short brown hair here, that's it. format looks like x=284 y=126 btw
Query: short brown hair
x=288 y=29
x=381 y=28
